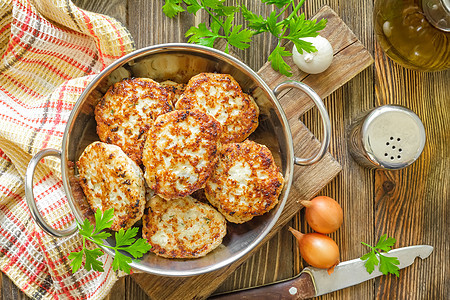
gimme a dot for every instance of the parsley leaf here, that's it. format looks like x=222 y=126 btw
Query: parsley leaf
x=375 y=257
x=227 y=25
x=193 y=6
x=172 y=7
x=385 y=244
x=214 y=4
x=240 y=38
x=86 y=229
x=125 y=242
x=301 y=28
x=388 y=265
x=102 y=220
x=277 y=61
x=202 y=35
x=278 y=3
x=138 y=249
x=371 y=262
x=272 y=26
x=256 y=22
x=121 y=262
x=223 y=10
x=77 y=260
x=91 y=259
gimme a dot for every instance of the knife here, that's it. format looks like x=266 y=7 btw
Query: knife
x=312 y=282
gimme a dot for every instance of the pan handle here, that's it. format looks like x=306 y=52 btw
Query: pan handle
x=30 y=196
x=323 y=113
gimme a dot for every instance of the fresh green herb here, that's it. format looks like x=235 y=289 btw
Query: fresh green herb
x=172 y=7
x=375 y=257
x=125 y=241
x=220 y=25
x=291 y=28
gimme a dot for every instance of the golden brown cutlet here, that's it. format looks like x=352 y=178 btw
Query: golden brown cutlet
x=245 y=183
x=220 y=96
x=127 y=111
x=182 y=228
x=110 y=179
x=180 y=152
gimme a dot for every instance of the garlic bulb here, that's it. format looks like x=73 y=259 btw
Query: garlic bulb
x=315 y=62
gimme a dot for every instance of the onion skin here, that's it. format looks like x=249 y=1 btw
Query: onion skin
x=317 y=249
x=323 y=214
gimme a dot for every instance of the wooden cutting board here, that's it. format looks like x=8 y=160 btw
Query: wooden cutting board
x=350 y=58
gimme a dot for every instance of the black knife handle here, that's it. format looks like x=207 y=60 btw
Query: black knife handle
x=301 y=287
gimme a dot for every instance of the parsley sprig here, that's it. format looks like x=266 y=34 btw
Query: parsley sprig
x=291 y=28
x=375 y=257
x=125 y=241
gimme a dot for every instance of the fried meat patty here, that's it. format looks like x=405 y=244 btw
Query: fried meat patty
x=174 y=89
x=220 y=96
x=245 y=183
x=182 y=228
x=110 y=179
x=126 y=112
x=180 y=152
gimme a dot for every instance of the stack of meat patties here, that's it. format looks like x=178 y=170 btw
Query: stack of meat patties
x=164 y=147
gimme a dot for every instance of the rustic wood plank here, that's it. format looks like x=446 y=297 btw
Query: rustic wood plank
x=114 y=8
x=10 y=291
x=412 y=204
x=118 y=291
x=133 y=290
x=149 y=26
x=353 y=187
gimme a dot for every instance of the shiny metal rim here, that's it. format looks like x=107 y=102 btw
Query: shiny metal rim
x=323 y=113
x=38 y=218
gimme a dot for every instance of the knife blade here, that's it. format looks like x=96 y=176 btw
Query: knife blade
x=313 y=282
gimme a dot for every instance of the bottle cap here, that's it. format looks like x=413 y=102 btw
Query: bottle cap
x=388 y=137
x=438 y=13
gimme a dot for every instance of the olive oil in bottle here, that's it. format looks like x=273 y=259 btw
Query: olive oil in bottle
x=415 y=33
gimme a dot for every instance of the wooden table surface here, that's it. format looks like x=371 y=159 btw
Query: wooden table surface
x=411 y=205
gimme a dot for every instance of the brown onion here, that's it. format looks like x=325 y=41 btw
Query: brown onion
x=317 y=249
x=323 y=214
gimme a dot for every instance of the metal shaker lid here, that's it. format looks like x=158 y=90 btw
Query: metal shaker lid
x=393 y=136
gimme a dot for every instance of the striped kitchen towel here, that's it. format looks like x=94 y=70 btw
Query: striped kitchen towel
x=49 y=51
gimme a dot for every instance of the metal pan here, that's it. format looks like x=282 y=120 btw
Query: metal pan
x=179 y=62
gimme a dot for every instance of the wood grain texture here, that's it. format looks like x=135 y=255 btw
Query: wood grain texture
x=149 y=26
x=416 y=213
x=412 y=205
x=353 y=187
x=10 y=292
x=115 y=8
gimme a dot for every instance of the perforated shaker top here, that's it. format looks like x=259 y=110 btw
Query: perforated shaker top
x=393 y=136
